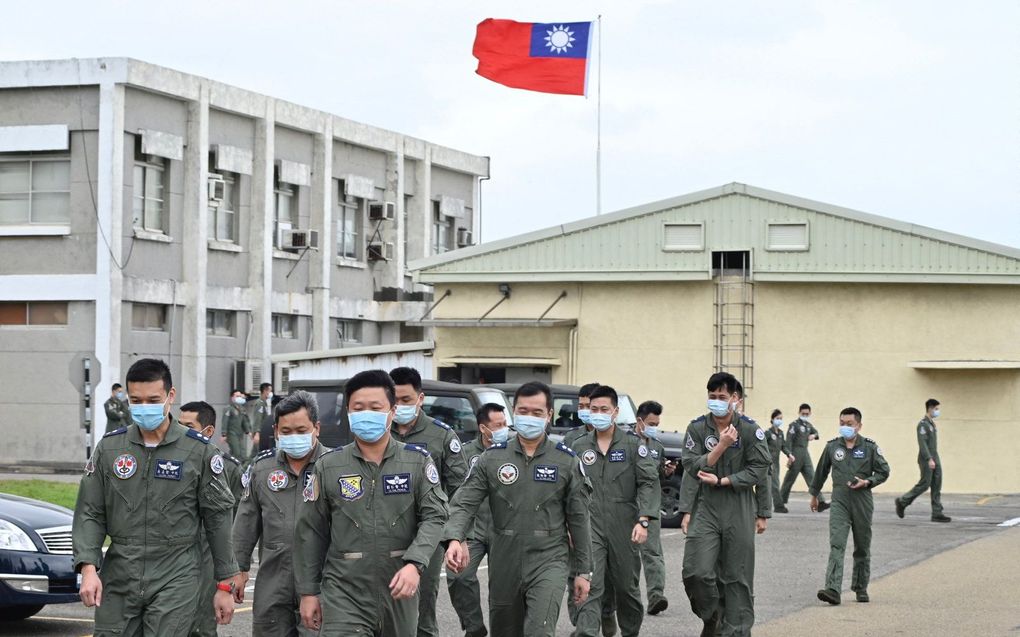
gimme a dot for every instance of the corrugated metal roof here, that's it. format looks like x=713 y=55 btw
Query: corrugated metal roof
x=843 y=245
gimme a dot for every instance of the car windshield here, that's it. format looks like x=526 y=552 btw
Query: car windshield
x=627 y=412
x=564 y=409
x=496 y=397
x=455 y=411
x=331 y=431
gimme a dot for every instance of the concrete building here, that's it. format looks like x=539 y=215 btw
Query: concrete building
x=147 y=212
x=804 y=301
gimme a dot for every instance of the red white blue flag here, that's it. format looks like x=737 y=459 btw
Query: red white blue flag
x=549 y=58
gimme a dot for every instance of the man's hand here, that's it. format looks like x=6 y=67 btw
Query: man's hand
x=859 y=483
x=760 y=524
x=223 y=604
x=812 y=437
x=240 y=581
x=639 y=535
x=728 y=437
x=684 y=521
x=931 y=463
x=255 y=437
x=669 y=468
x=710 y=479
x=814 y=503
x=91 y=591
x=790 y=459
x=404 y=584
x=457 y=556
x=311 y=612
x=582 y=586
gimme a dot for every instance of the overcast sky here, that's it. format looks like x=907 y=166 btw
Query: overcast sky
x=908 y=109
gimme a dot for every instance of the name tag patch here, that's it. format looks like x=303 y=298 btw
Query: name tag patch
x=169 y=469
x=618 y=455
x=858 y=453
x=396 y=484
x=546 y=473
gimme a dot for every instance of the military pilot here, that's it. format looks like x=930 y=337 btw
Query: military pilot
x=118 y=412
x=583 y=414
x=800 y=434
x=150 y=487
x=857 y=467
x=539 y=500
x=727 y=455
x=929 y=463
x=374 y=517
x=463 y=586
x=649 y=414
x=237 y=429
x=273 y=487
x=411 y=425
x=778 y=448
x=201 y=417
x=626 y=497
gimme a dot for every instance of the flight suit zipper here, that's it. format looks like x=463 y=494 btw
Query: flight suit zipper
x=145 y=525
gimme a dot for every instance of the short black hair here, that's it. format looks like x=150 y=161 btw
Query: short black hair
x=263 y=386
x=649 y=407
x=147 y=370
x=720 y=380
x=775 y=412
x=931 y=402
x=294 y=403
x=534 y=388
x=804 y=406
x=115 y=387
x=205 y=411
x=237 y=390
x=852 y=411
x=605 y=391
x=586 y=390
x=483 y=413
x=371 y=378
x=406 y=376
x=739 y=390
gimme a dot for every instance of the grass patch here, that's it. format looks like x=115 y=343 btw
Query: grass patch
x=60 y=493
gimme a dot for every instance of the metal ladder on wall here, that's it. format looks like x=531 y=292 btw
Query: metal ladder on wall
x=734 y=322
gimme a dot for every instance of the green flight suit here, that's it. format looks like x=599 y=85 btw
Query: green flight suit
x=574 y=434
x=205 y=615
x=608 y=597
x=118 y=414
x=927 y=449
x=652 y=560
x=237 y=429
x=539 y=505
x=445 y=448
x=465 y=593
x=362 y=523
x=152 y=502
x=851 y=508
x=719 y=550
x=779 y=449
x=626 y=486
x=797 y=440
x=266 y=517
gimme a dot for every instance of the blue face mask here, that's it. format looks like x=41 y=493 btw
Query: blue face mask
x=778 y=422
x=368 y=425
x=121 y=396
x=847 y=432
x=936 y=413
x=295 y=445
x=584 y=415
x=149 y=417
x=501 y=435
x=601 y=422
x=529 y=427
x=651 y=432
x=405 y=414
x=719 y=408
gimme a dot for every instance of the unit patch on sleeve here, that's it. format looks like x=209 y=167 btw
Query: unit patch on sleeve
x=216 y=464
x=642 y=451
x=169 y=469
x=396 y=484
x=311 y=491
x=432 y=473
x=690 y=443
x=455 y=444
x=546 y=473
x=760 y=435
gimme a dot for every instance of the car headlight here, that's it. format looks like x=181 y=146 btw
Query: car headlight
x=12 y=538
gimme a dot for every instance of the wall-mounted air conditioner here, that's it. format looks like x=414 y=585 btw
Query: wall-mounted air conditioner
x=217 y=190
x=382 y=211
x=464 y=237
x=380 y=251
x=299 y=239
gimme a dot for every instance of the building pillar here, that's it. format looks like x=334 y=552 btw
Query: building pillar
x=195 y=250
x=394 y=231
x=322 y=220
x=260 y=275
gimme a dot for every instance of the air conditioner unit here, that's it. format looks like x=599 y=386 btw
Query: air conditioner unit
x=299 y=239
x=380 y=251
x=382 y=211
x=247 y=376
x=217 y=190
x=464 y=237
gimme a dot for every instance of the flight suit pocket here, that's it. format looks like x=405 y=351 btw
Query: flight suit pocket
x=503 y=511
x=400 y=525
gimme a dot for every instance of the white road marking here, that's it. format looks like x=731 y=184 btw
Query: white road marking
x=1013 y=522
x=62 y=619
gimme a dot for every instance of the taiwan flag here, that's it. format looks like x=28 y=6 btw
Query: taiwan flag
x=550 y=58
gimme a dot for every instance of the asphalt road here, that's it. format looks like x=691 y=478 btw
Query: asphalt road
x=791 y=559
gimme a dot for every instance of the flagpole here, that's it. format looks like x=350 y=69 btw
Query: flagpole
x=598 y=129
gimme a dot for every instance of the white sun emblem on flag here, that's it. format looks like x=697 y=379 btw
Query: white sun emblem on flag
x=559 y=39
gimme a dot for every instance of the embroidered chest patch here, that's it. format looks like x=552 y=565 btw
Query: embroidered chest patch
x=508 y=473
x=618 y=455
x=350 y=487
x=125 y=466
x=546 y=473
x=839 y=454
x=277 y=480
x=711 y=442
x=859 y=453
x=169 y=469
x=396 y=484
x=589 y=457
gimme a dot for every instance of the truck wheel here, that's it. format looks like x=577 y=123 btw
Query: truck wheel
x=670 y=515
x=16 y=613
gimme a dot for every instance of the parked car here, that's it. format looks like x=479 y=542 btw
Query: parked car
x=450 y=403
x=36 y=567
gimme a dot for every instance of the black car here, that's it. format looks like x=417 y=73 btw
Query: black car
x=36 y=567
x=450 y=403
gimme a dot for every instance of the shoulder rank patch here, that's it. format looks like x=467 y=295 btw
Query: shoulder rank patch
x=565 y=449
x=630 y=432
x=698 y=419
x=420 y=449
x=231 y=458
x=268 y=453
x=498 y=445
x=115 y=432
x=440 y=423
x=191 y=433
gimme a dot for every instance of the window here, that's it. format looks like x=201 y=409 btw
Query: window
x=441 y=230
x=220 y=322
x=451 y=410
x=349 y=215
x=683 y=237
x=790 y=237
x=222 y=217
x=284 y=326
x=148 y=317
x=284 y=210
x=149 y=200
x=35 y=191
x=33 y=313
x=348 y=331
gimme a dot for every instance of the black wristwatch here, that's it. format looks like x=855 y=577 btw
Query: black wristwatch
x=643 y=523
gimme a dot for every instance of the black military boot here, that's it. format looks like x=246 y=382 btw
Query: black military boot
x=830 y=596
x=862 y=596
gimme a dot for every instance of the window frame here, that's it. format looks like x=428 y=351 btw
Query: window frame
x=31 y=160
x=805 y=247
x=341 y=331
x=440 y=227
x=277 y=329
x=283 y=189
x=211 y=315
x=149 y=308
x=147 y=164
x=230 y=188
x=683 y=248
x=349 y=206
x=29 y=324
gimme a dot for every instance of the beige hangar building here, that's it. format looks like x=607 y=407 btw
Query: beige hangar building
x=803 y=301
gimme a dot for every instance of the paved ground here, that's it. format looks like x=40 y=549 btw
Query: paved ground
x=928 y=579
